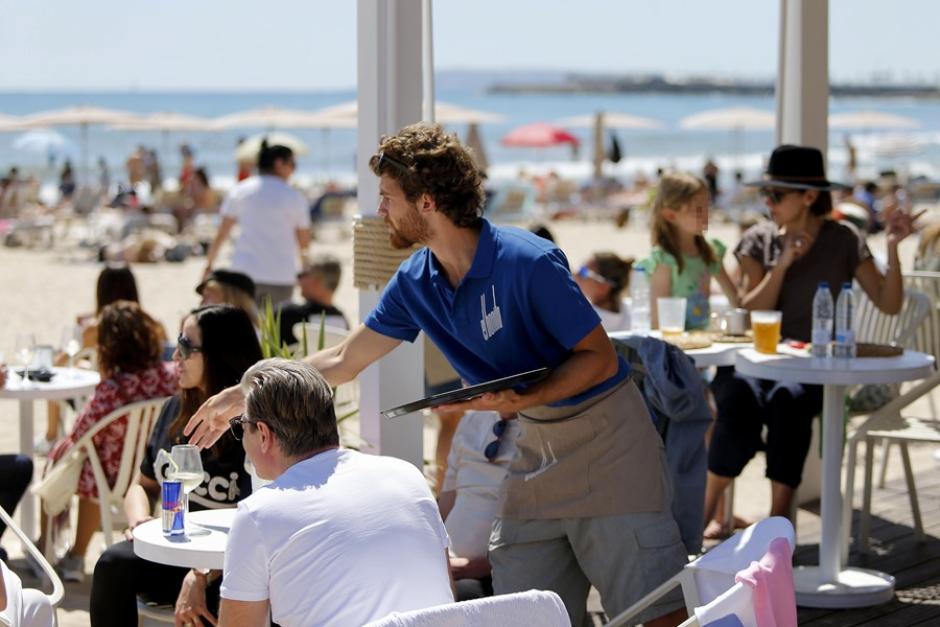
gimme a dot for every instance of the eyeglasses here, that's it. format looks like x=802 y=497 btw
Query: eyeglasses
x=384 y=158
x=186 y=347
x=586 y=273
x=492 y=449
x=775 y=195
x=237 y=426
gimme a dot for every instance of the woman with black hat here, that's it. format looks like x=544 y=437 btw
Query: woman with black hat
x=782 y=262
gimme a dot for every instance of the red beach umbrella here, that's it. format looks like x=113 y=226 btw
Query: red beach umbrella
x=539 y=135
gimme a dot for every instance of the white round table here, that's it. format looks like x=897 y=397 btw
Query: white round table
x=718 y=354
x=831 y=584
x=202 y=546
x=67 y=383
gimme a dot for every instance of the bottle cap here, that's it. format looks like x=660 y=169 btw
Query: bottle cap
x=847 y=285
x=824 y=284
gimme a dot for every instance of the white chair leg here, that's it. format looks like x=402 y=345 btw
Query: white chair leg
x=883 y=472
x=864 y=524
x=912 y=492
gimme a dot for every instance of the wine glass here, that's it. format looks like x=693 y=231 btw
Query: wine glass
x=186 y=467
x=71 y=343
x=25 y=343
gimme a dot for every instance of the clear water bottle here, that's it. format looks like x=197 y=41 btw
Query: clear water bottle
x=822 y=320
x=639 y=301
x=844 y=346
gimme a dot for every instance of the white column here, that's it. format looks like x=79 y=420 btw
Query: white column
x=390 y=95
x=803 y=73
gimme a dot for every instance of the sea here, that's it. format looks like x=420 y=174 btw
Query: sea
x=332 y=153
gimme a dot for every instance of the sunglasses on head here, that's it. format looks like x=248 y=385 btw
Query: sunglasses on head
x=237 y=426
x=775 y=195
x=186 y=347
x=384 y=158
x=586 y=273
x=491 y=452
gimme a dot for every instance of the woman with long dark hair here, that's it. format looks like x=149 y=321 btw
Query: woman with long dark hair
x=215 y=347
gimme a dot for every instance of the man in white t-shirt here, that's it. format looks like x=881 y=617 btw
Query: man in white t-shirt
x=338 y=537
x=274 y=226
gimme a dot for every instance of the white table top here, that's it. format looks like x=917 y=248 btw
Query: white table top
x=718 y=354
x=67 y=383
x=203 y=545
x=796 y=366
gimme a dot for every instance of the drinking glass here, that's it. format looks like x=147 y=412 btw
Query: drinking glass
x=71 y=343
x=25 y=342
x=766 y=328
x=187 y=469
x=671 y=315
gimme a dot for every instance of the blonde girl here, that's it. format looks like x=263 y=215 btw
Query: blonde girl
x=682 y=262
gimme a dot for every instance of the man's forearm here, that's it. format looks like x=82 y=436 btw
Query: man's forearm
x=582 y=371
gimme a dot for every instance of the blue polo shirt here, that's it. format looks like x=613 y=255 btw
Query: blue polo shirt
x=517 y=309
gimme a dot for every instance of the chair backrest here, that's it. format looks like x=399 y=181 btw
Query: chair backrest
x=874 y=326
x=533 y=607
x=331 y=335
x=737 y=602
x=141 y=417
x=927 y=336
x=58 y=590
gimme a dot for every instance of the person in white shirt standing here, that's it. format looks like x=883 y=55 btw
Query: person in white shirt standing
x=338 y=537
x=274 y=226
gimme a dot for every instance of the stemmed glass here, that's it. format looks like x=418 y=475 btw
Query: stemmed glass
x=25 y=343
x=71 y=343
x=185 y=467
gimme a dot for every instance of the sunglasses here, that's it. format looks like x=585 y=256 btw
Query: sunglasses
x=384 y=158
x=586 y=273
x=775 y=195
x=492 y=449
x=186 y=347
x=237 y=426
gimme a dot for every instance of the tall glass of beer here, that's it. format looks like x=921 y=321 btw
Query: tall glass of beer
x=766 y=328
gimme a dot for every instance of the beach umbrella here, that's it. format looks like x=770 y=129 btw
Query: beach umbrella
x=475 y=143
x=249 y=148
x=734 y=119
x=271 y=118
x=613 y=119
x=166 y=122
x=82 y=116
x=444 y=113
x=538 y=135
x=871 y=120
x=42 y=141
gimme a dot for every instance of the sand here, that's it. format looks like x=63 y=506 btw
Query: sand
x=43 y=290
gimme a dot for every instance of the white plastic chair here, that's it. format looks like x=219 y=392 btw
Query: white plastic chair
x=533 y=607
x=58 y=590
x=140 y=419
x=346 y=399
x=872 y=325
x=711 y=575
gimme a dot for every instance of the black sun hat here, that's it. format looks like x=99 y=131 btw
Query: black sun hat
x=796 y=167
x=229 y=277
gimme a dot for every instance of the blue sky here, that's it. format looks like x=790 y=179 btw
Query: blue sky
x=310 y=44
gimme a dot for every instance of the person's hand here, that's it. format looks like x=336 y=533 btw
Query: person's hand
x=466 y=568
x=795 y=245
x=129 y=532
x=211 y=420
x=506 y=402
x=900 y=225
x=191 y=607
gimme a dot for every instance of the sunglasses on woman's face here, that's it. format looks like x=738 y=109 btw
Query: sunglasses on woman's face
x=775 y=195
x=186 y=347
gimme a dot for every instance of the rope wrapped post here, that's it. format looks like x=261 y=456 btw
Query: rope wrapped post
x=374 y=259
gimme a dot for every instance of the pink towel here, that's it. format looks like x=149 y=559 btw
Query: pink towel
x=771 y=579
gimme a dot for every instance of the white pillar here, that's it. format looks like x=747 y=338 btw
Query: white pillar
x=389 y=37
x=803 y=74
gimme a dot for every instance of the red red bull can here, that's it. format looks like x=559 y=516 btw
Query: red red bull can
x=174 y=506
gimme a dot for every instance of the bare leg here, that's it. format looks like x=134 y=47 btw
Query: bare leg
x=53 y=420
x=445 y=435
x=781 y=498
x=671 y=619
x=89 y=520
x=714 y=489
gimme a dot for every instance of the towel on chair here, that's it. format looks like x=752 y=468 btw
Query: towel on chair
x=771 y=580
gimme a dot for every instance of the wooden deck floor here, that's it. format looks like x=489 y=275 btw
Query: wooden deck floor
x=894 y=549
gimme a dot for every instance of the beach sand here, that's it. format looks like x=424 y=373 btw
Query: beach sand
x=43 y=290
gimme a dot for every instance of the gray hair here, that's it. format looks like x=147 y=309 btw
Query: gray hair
x=328 y=268
x=296 y=403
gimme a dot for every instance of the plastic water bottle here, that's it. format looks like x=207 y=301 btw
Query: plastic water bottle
x=640 y=301
x=822 y=320
x=844 y=346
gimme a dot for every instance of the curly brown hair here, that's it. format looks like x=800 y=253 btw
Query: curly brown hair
x=423 y=159
x=128 y=339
